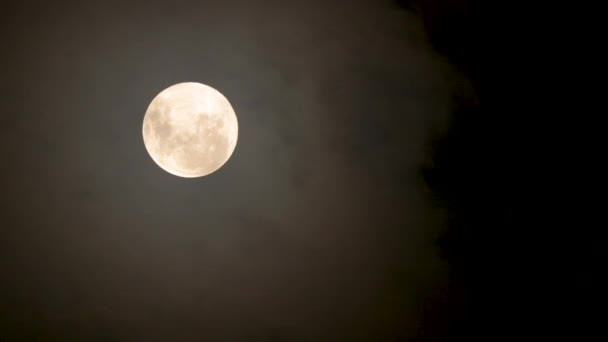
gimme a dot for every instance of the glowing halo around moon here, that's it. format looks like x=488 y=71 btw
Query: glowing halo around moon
x=190 y=130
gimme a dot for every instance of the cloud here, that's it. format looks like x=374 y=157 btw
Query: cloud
x=318 y=227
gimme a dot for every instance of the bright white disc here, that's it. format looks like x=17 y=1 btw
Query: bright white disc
x=190 y=130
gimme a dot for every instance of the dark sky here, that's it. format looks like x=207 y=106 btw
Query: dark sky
x=319 y=228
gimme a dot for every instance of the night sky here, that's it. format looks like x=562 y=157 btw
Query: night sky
x=338 y=217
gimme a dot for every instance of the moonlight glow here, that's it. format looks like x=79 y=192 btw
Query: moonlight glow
x=190 y=130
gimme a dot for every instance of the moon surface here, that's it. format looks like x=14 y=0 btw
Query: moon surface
x=190 y=130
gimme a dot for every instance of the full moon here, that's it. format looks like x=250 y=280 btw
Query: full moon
x=190 y=130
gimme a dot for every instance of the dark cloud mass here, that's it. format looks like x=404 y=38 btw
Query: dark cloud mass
x=320 y=227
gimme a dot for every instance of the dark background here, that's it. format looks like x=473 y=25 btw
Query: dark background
x=368 y=198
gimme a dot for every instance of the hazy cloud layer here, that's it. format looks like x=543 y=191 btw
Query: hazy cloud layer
x=318 y=228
